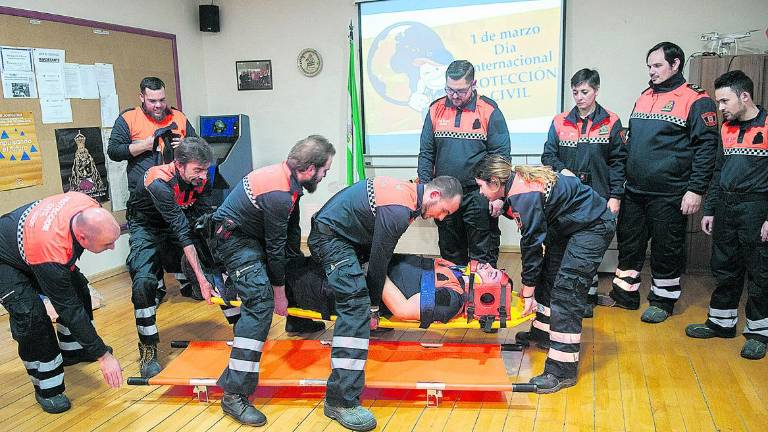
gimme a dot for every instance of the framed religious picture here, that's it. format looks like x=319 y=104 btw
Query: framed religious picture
x=254 y=74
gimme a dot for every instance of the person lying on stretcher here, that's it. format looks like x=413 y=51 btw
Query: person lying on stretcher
x=417 y=288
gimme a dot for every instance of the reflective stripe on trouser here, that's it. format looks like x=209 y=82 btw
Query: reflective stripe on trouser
x=144 y=265
x=658 y=219
x=471 y=232
x=738 y=253
x=31 y=328
x=552 y=256
x=580 y=255
x=69 y=346
x=244 y=261
x=231 y=313
x=351 y=331
x=595 y=284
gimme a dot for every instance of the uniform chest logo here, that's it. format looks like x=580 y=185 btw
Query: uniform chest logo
x=758 y=139
x=668 y=107
x=603 y=130
x=476 y=124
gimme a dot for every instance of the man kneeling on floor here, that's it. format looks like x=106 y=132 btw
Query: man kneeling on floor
x=39 y=245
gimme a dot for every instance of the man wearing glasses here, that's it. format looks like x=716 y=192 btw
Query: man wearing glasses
x=460 y=129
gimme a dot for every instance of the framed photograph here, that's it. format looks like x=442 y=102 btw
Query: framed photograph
x=254 y=74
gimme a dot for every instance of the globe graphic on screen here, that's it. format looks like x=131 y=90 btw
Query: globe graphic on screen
x=219 y=126
x=395 y=55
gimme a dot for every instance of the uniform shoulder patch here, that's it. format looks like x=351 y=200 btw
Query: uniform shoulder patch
x=710 y=118
x=696 y=88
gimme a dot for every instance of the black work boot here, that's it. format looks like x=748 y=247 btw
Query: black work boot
x=753 y=349
x=240 y=408
x=548 y=383
x=148 y=364
x=356 y=418
x=702 y=331
x=302 y=325
x=54 y=405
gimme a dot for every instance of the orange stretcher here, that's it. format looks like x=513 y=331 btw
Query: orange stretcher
x=390 y=365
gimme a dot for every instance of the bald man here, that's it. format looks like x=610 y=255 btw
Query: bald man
x=39 y=245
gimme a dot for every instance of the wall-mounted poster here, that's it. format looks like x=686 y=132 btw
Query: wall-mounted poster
x=81 y=161
x=20 y=162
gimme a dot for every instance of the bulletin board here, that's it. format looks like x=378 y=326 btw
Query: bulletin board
x=134 y=53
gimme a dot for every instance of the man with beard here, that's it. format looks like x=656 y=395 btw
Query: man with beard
x=255 y=231
x=671 y=148
x=163 y=205
x=736 y=216
x=145 y=136
x=366 y=219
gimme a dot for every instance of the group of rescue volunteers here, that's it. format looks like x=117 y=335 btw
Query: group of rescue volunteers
x=598 y=179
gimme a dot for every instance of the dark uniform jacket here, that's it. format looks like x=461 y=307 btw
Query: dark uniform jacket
x=565 y=207
x=672 y=140
x=265 y=206
x=591 y=148
x=134 y=124
x=454 y=140
x=37 y=239
x=373 y=214
x=164 y=199
x=742 y=160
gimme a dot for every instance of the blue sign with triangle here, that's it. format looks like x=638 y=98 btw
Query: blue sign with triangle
x=25 y=156
x=4 y=135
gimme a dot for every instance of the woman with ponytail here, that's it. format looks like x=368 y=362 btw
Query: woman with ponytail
x=576 y=226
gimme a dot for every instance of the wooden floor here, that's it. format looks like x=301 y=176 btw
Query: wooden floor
x=633 y=376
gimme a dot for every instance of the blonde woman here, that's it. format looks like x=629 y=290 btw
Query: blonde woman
x=577 y=226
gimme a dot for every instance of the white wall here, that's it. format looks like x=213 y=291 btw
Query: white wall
x=177 y=17
x=612 y=36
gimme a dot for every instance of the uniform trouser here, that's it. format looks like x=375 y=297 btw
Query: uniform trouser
x=737 y=250
x=471 y=232
x=31 y=327
x=145 y=267
x=351 y=332
x=658 y=218
x=571 y=264
x=244 y=259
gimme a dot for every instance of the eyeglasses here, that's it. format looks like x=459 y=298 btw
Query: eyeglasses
x=460 y=92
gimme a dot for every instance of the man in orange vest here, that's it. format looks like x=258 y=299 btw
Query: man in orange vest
x=145 y=136
x=254 y=233
x=671 y=150
x=41 y=242
x=367 y=218
x=736 y=216
x=170 y=196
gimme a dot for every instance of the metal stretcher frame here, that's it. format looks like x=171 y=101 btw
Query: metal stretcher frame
x=515 y=318
x=390 y=365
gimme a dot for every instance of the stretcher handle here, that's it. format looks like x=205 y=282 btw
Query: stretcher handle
x=179 y=344
x=524 y=388
x=138 y=381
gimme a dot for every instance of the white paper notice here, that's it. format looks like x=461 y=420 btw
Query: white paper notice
x=117 y=175
x=89 y=89
x=56 y=110
x=110 y=109
x=72 y=81
x=49 y=70
x=105 y=77
x=19 y=84
x=16 y=59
